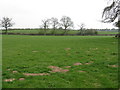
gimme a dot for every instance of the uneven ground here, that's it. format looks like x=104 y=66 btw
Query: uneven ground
x=60 y=61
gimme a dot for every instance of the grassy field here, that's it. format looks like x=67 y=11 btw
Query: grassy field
x=60 y=61
x=56 y=32
x=41 y=31
x=107 y=32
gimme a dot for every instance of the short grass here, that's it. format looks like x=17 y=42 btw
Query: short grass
x=33 y=54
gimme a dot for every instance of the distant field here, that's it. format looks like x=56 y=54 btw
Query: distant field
x=60 y=61
x=41 y=31
x=107 y=32
x=56 y=32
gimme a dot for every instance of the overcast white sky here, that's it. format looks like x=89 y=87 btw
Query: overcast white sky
x=29 y=13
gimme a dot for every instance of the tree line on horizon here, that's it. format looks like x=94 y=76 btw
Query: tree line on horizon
x=65 y=24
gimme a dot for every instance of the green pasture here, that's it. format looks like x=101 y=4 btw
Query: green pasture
x=96 y=57
x=41 y=31
x=56 y=32
x=107 y=32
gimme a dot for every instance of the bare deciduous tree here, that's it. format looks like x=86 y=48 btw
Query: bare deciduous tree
x=66 y=22
x=55 y=24
x=6 y=22
x=81 y=28
x=45 y=25
x=111 y=12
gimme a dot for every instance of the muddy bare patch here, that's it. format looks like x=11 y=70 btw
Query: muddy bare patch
x=53 y=67
x=8 y=69
x=9 y=80
x=21 y=79
x=34 y=51
x=57 y=69
x=67 y=66
x=81 y=71
x=89 y=63
x=60 y=70
x=14 y=71
x=112 y=65
x=67 y=49
x=36 y=74
x=76 y=64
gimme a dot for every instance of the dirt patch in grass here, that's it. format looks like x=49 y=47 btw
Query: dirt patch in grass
x=9 y=80
x=113 y=65
x=57 y=69
x=36 y=74
x=76 y=64
x=21 y=79
x=89 y=63
x=60 y=70
x=67 y=49
x=8 y=69
x=14 y=71
x=53 y=67
x=67 y=66
x=34 y=51
x=81 y=71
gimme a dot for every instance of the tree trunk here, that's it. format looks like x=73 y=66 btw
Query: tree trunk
x=6 y=30
x=118 y=35
x=119 y=24
x=45 y=32
x=53 y=32
x=65 y=31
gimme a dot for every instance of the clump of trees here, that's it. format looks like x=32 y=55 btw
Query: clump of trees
x=6 y=22
x=65 y=23
x=83 y=31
